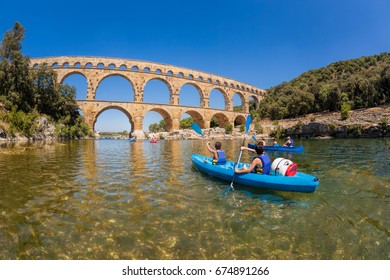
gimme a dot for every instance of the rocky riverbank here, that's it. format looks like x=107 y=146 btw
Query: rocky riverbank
x=372 y=122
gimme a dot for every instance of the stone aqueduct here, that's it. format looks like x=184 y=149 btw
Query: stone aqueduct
x=138 y=74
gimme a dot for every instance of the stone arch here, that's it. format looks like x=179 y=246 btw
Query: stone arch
x=164 y=81
x=197 y=117
x=197 y=88
x=166 y=116
x=81 y=87
x=113 y=107
x=116 y=75
x=224 y=95
x=242 y=98
x=70 y=73
x=222 y=119
x=239 y=120
x=253 y=103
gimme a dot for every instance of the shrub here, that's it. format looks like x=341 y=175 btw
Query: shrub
x=228 y=128
x=259 y=128
x=278 y=132
x=345 y=108
x=383 y=125
x=22 y=122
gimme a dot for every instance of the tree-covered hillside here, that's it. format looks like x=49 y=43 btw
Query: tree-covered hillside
x=359 y=83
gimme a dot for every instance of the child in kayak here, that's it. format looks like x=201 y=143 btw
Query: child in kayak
x=260 y=164
x=219 y=156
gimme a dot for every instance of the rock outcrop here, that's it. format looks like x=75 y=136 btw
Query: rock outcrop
x=371 y=122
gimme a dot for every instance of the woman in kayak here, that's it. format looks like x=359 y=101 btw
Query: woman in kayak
x=289 y=142
x=260 y=164
x=219 y=156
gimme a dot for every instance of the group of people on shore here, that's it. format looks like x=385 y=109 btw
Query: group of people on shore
x=260 y=164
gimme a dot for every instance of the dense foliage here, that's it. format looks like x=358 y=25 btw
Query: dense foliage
x=28 y=94
x=357 y=83
x=158 y=127
x=186 y=123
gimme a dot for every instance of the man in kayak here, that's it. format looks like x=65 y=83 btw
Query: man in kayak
x=219 y=156
x=260 y=164
x=275 y=143
x=289 y=142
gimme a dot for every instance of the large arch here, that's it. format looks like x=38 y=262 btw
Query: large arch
x=113 y=107
x=72 y=72
x=154 y=83
x=166 y=117
x=187 y=90
x=79 y=81
x=239 y=120
x=241 y=98
x=253 y=102
x=197 y=117
x=216 y=104
x=122 y=91
x=222 y=119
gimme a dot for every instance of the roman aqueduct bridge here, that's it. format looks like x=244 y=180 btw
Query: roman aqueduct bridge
x=138 y=74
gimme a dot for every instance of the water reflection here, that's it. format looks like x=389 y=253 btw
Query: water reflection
x=112 y=199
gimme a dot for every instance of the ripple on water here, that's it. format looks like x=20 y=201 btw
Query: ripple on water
x=116 y=200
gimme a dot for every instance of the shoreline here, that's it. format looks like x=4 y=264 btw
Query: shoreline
x=362 y=123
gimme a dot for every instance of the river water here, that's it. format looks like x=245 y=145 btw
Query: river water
x=112 y=199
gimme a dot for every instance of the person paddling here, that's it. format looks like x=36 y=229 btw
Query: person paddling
x=260 y=164
x=289 y=142
x=219 y=156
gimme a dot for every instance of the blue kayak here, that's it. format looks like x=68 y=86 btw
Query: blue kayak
x=279 y=148
x=300 y=182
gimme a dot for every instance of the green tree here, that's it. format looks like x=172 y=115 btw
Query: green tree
x=154 y=127
x=186 y=123
x=362 y=82
x=35 y=92
x=15 y=80
x=214 y=122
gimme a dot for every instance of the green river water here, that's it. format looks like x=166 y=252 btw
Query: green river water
x=112 y=199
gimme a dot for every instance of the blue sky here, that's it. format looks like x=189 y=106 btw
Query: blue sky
x=260 y=42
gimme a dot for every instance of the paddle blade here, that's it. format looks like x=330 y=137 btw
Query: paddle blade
x=254 y=138
x=248 y=123
x=197 y=128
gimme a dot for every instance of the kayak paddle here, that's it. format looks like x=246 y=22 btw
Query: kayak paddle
x=247 y=124
x=197 y=128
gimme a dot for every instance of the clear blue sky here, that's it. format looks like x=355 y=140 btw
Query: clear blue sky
x=260 y=42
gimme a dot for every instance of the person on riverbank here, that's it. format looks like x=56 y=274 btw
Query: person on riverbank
x=260 y=164
x=219 y=156
x=289 y=142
